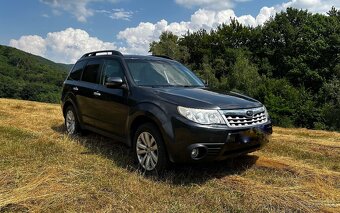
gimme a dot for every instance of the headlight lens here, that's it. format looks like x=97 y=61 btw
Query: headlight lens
x=266 y=112
x=202 y=116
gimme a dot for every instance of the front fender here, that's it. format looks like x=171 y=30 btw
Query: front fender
x=157 y=115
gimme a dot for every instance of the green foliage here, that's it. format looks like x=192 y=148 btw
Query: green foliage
x=243 y=76
x=168 y=45
x=291 y=64
x=30 y=77
x=330 y=111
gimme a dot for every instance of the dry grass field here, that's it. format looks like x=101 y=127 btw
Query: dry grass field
x=43 y=170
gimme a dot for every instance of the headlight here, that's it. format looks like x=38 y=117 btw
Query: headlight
x=201 y=116
x=266 y=112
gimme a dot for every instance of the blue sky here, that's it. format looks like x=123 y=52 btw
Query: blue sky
x=61 y=30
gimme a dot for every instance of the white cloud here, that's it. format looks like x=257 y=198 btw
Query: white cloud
x=121 y=14
x=314 y=6
x=64 y=46
x=45 y=15
x=265 y=14
x=138 y=38
x=117 y=14
x=209 y=4
x=78 y=8
x=68 y=45
x=32 y=43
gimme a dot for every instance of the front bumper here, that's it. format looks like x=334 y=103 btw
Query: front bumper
x=214 y=143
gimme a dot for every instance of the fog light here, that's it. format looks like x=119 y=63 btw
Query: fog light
x=194 y=152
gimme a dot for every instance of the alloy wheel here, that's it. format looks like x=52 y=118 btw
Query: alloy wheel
x=70 y=122
x=147 y=151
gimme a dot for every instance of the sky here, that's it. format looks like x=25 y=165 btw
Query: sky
x=63 y=30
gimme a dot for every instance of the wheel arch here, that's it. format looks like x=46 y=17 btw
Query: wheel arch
x=150 y=113
x=69 y=102
x=66 y=105
x=138 y=121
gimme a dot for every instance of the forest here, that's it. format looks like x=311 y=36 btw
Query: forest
x=29 y=77
x=291 y=64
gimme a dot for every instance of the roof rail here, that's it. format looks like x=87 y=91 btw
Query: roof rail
x=163 y=56
x=113 y=52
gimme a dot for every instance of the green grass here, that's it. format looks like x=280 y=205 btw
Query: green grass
x=43 y=170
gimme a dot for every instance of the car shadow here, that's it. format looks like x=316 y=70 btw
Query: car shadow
x=177 y=174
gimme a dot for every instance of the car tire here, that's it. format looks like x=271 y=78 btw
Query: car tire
x=71 y=122
x=149 y=149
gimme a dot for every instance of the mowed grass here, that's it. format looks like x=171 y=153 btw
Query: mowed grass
x=43 y=170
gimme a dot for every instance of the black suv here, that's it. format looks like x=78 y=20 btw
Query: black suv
x=161 y=109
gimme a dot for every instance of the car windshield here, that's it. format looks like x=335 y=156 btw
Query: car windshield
x=159 y=73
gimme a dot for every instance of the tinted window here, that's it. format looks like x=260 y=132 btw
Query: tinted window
x=91 y=71
x=112 y=68
x=76 y=71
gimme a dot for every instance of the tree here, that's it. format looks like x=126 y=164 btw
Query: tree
x=168 y=46
x=334 y=12
x=244 y=76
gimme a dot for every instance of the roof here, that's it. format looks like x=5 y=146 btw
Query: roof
x=117 y=53
x=146 y=57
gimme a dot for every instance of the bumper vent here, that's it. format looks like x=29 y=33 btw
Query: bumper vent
x=245 y=117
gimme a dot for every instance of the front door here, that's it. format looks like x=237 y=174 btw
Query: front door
x=113 y=112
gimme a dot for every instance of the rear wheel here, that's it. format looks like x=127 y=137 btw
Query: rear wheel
x=149 y=149
x=71 y=122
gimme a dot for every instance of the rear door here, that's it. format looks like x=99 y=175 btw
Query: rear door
x=87 y=92
x=72 y=84
x=112 y=102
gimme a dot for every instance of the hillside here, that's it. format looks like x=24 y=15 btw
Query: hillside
x=30 y=77
x=42 y=169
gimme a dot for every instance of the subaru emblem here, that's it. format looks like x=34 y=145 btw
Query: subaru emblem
x=249 y=113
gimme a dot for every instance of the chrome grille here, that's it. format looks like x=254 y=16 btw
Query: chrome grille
x=245 y=117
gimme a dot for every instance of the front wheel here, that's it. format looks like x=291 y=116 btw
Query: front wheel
x=149 y=149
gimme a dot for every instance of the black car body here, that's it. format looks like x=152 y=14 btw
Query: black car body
x=117 y=105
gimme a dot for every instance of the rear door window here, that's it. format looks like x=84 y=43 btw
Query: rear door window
x=91 y=71
x=77 y=71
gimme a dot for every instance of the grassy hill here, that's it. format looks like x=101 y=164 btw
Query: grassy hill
x=30 y=77
x=42 y=169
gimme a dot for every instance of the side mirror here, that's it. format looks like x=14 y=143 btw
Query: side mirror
x=114 y=82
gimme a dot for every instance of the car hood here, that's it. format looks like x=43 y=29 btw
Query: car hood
x=204 y=98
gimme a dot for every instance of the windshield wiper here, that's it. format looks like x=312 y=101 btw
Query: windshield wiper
x=189 y=86
x=171 y=85
x=157 y=85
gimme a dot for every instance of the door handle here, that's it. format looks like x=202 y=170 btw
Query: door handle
x=97 y=93
x=75 y=88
